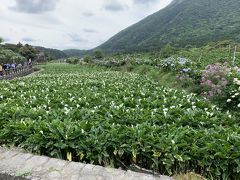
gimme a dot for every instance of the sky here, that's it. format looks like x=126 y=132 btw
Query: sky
x=70 y=24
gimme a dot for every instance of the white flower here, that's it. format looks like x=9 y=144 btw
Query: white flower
x=229 y=100
x=238 y=105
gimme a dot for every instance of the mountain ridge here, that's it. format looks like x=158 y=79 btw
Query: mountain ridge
x=181 y=23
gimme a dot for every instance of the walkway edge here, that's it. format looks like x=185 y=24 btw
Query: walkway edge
x=24 y=165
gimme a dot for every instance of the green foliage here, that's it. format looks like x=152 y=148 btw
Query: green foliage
x=52 y=54
x=98 y=54
x=230 y=98
x=8 y=56
x=23 y=173
x=28 y=52
x=31 y=52
x=189 y=176
x=73 y=60
x=1 y=40
x=13 y=47
x=87 y=59
x=115 y=118
x=184 y=23
x=167 y=51
x=76 y=52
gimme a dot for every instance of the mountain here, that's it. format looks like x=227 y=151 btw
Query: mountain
x=76 y=52
x=51 y=53
x=181 y=23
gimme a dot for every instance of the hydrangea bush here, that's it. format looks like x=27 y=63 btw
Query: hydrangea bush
x=176 y=64
x=220 y=83
x=214 y=79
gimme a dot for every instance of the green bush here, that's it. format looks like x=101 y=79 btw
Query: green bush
x=73 y=60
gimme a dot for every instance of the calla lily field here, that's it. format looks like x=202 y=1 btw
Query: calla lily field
x=110 y=118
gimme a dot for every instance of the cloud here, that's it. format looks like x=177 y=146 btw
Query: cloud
x=88 y=14
x=28 y=39
x=114 y=6
x=34 y=6
x=144 y=1
x=89 y=30
x=76 y=38
x=71 y=23
x=6 y=39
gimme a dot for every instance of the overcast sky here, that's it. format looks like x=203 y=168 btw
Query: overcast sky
x=65 y=24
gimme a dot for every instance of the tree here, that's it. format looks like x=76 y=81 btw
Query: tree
x=19 y=45
x=1 y=40
x=73 y=60
x=98 y=54
x=168 y=51
x=28 y=52
x=12 y=47
x=8 y=56
x=87 y=58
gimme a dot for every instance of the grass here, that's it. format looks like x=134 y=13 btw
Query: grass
x=189 y=176
x=165 y=78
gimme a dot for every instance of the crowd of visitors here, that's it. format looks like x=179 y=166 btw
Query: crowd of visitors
x=13 y=66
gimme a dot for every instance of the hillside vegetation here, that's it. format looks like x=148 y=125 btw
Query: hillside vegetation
x=51 y=53
x=76 y=52
x=182 y=23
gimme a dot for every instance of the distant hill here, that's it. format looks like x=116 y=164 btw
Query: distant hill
x=76 y=52
x=182 y=23
x=52 y=53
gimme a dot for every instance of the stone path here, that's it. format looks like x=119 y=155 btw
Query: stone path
x=16 y=165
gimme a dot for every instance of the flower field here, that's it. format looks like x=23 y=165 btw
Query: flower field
x=118 y=119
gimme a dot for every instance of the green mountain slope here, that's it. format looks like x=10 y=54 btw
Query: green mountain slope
x=75 y=52
x=182 y=23
x=52 y=53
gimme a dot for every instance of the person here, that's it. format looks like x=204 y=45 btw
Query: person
x=8 y=66
x=13 y=66
x=19 y=65
x=30 y=62
x=25 y=63
x=1 y=69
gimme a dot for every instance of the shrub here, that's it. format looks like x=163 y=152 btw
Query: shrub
x=98 y=54
x=176 y=64
x=214 y=80
x=87 y=59
x=73 y=60
x=167 y=51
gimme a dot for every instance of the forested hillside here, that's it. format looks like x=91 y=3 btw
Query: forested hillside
x=182 y=23
x=52 y=53
x=76 y=52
